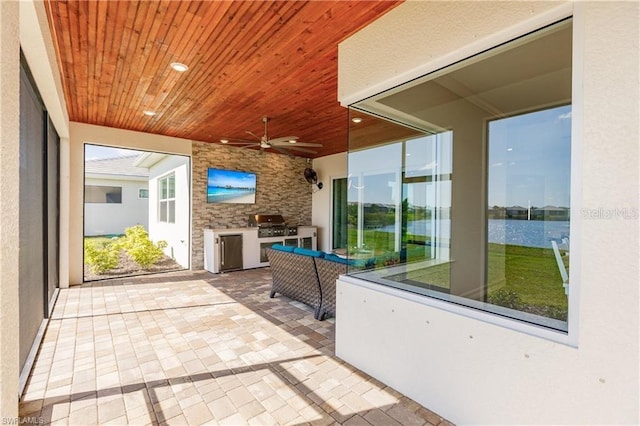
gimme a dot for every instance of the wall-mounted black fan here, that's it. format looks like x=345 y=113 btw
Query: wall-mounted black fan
x=312 y=177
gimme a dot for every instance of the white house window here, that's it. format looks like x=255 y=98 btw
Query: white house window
x=143 y=193
x=102 y=194
x=459 y=185
x=167 y=199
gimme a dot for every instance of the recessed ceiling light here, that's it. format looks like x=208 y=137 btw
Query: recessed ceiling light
x=224 y=140
x=149 y=113
x=292 y=141
x=179 y=66
x=356 y=120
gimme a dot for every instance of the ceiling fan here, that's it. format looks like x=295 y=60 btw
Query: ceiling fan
x=282 y=144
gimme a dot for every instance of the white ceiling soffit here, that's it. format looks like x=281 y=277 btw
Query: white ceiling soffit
x=37 y=46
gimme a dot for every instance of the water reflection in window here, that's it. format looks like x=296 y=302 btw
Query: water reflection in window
x=529 y=159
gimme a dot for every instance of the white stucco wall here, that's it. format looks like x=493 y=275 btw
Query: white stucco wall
x=9 y=197
x=87 y=133
x=328 y=168
x=114 y=218
x=175 y=234
x=462 y=365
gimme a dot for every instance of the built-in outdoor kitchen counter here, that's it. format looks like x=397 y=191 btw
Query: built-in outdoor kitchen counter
x=254 y=244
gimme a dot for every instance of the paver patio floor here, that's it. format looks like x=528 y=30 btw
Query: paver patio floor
x=196 y=348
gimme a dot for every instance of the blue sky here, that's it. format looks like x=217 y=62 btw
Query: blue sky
x=236 y=179
x=529 y=159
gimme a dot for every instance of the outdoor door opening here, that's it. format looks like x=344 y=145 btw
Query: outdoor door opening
x=136 y=212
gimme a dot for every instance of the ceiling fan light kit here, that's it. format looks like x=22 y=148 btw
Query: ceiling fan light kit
x=281 y=144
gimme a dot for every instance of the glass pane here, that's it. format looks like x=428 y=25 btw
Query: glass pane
x=102 y=194
x=459 y=181
x=162 y=211
x=374 y=204
x=339 y=237
x=528 y=211
x=171 y=212
x=163 y=188
x=172 y=186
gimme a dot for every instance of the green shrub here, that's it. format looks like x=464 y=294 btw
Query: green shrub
x=101 y=257
x=140 y=248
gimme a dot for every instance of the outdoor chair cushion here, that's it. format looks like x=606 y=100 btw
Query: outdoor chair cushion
x=283 y=248
x=308 y=252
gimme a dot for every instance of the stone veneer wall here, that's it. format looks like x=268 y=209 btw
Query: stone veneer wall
x=280 y=189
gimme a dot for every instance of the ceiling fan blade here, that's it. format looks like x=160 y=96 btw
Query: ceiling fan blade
x=297 y=144
x=284 y=139
x=242 y=143
x=294 y=148
x=254 y=135
x=282 y=151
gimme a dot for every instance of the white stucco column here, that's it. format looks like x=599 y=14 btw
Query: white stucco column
x=9 y=185
x=65 y=168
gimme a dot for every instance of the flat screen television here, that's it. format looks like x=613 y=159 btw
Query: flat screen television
x=231 y=186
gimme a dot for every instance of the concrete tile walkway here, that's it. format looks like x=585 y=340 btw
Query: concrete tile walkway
x=194 y=348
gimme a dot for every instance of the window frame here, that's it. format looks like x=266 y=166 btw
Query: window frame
x=570 y=337
x=106 y=193
x=167 y=200
x=143 y=189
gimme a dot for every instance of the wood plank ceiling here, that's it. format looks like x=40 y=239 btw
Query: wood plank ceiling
x=246 y=59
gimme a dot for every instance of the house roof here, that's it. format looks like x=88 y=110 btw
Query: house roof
x=119 y=166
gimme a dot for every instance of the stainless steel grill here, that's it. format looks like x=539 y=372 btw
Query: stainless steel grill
x=271 y=225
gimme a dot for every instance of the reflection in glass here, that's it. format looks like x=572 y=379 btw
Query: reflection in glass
x=528 y=211
x=459 y=182
x=400 y=213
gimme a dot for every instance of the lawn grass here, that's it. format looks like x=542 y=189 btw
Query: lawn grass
x=101 y=241
x=437 y=275
x=529 y=274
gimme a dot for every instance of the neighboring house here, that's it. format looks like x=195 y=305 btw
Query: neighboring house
x=550 y=213
x=168 y=212
x=116 y=195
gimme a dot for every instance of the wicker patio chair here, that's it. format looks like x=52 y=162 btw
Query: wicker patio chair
x=295 y=277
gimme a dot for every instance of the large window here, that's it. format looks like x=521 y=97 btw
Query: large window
x=167 y=199
x=102 y=194
x=459 y=182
